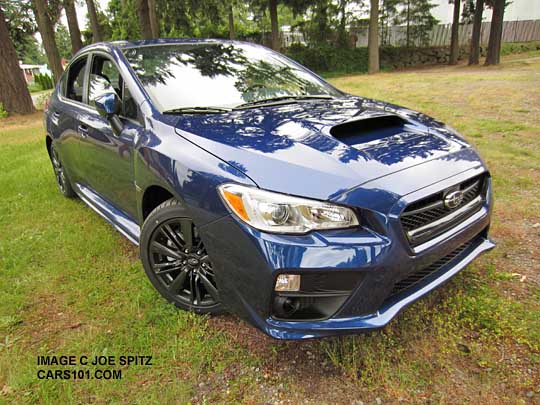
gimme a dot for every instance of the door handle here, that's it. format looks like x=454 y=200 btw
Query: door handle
x=83 y=130
x=55 y=117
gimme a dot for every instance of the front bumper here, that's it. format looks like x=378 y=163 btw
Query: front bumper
x=247 y=263
x=389 y=309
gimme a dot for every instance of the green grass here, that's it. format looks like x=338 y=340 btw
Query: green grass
x=70 y=284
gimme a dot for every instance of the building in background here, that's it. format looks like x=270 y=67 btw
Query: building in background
x=30 y=71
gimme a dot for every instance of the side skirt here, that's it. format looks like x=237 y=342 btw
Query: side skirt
x=117 y=218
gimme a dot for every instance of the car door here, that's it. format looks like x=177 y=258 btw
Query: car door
x=64 y=115
x=108 y=157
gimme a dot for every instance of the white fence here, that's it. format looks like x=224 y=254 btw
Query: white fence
x=513 y=31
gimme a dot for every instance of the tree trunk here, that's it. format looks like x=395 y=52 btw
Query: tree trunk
x=454 y=41
x=272 y=6
x=232 y=31
x=474 y=53
x=343 y=35
x=144 y=19
x=495 y=34
x=408 y=23
x=73 y=25
x=46 y=31
x=154 y=25
x=14 y=94
x=92 y=14
x=373 y=38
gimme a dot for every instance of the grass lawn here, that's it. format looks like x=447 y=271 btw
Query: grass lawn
x=70 y=284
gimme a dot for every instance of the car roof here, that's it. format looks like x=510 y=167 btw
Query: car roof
x=152 y=42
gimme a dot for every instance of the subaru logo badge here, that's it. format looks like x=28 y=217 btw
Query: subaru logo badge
x=453 y=199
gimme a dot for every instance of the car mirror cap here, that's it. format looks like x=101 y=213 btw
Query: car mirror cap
x=108 y=104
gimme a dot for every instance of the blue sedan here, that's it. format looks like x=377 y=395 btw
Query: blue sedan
x=253 y=186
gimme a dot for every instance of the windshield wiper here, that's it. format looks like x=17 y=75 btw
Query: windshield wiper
x=197 y=110
x=283 y=100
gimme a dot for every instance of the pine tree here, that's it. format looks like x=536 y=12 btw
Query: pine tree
x=416 y=16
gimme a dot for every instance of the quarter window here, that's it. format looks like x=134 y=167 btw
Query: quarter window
x=75 y=81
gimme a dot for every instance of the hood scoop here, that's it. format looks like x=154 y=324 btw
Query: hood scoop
x=367 y=130
x=388 y=133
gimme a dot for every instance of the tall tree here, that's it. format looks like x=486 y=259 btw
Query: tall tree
x=342 y=34
x=408 y=16
x=63 y=41
x=73 y=25
x=454 y=40
x=14 y=94
x=272 y=8
x=152 y=15
x=144 y=19
x=22 y=26
x=123 y=19
x=94 y=22
x=46 y=30
x=373 y=37
x=232 y=31
x=495 y=33
x=388 y=14
x=474 y=53
x=417 y=17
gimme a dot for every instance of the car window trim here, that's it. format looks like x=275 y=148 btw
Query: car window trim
x=62 y=95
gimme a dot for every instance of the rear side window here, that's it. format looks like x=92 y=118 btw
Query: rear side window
x=75 y=80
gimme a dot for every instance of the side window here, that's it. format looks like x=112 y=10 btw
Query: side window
x=129 y=106
x=105 y=68
x=75 y=80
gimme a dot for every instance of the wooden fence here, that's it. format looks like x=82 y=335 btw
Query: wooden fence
x=513 y=31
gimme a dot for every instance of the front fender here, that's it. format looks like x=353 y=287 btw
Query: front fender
x=165 y=159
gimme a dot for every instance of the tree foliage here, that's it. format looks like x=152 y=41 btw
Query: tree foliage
x=22 y=27
x=105 y=29
x=63 y=41
x=416 y=16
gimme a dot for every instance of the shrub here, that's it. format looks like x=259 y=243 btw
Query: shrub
x=325 y=58
x=3 y=113
x=44 y=81
x=34 y=87
x=519 y=47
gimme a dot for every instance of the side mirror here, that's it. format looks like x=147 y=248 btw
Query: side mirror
x=108 y=104
x=106 y=100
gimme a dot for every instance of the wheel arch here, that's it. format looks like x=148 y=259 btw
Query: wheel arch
x=48 y=143
x=153 y=196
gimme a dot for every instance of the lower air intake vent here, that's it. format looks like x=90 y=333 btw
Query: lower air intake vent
x=420 y=275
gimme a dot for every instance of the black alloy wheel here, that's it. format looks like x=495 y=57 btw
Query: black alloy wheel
x=60 y=173
x=176 y=260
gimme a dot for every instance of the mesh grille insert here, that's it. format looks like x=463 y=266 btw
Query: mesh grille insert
x=421 y=274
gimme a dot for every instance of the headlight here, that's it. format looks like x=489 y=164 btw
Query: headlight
x=280 y=213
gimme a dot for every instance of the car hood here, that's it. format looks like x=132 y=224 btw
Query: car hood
x=322 y=148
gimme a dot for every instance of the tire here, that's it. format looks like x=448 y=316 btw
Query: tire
x=175 y=260
x=62 y=179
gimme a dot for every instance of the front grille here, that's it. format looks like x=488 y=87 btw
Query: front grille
x=418 y=216
x=421 y=274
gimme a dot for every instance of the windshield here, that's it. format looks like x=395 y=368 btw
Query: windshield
x=219 y=75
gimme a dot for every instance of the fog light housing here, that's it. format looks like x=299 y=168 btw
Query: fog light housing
x=288 y=282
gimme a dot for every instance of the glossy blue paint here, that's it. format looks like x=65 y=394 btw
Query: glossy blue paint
x=108 y=104
x=292 y=149
x=340 y=326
